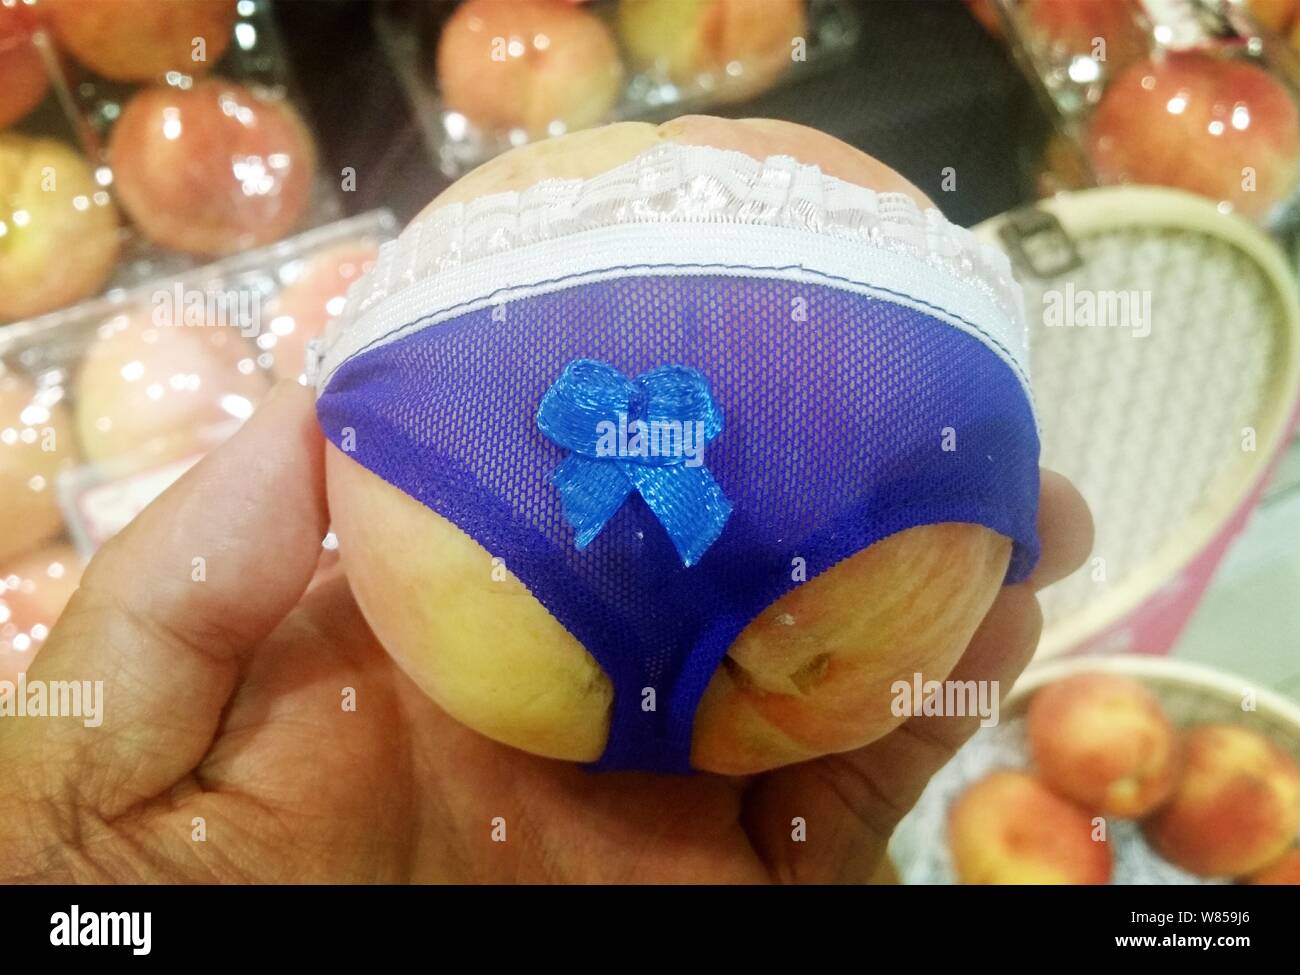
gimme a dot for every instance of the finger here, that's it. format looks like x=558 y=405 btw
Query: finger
x=850 y=803
x=1065 y=530
x=297 y=695
x=219 y=560
x=169 y=609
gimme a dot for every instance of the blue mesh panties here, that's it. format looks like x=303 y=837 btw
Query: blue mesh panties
x=834 y=436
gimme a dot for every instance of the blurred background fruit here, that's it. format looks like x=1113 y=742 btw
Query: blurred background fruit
x=1219 y=127
x=986 y=12
x=1285 y=871
x=1276 y=15
x=1231 y=811
x=1009 y=828
x=144 y=386
x=313 y=292
x=142 y=40
x=59 y=233
x=214 y=169
x=923 y=87
x=36 y=443
x=1104 y=741
x=733 y=48
x=543 y=66
x=1107 y=30
x=1236 y=808
x=34 y=590
x=1062 y=166
x=23 y=81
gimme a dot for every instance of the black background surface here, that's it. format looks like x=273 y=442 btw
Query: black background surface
x=926 y=88
x=422 y=928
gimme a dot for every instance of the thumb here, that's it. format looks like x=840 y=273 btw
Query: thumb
x=855 y=799
x=169 y=610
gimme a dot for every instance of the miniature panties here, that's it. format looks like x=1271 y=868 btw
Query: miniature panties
x=655 y=391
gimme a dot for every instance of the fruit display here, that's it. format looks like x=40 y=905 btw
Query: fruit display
x=1071 y=48
x=489 y=75
x=1178 y=95
x=766 y=442
x=104 y=404
x=143 y=137
x=1225 y=129
x=1008 y=828
x=1148 y=771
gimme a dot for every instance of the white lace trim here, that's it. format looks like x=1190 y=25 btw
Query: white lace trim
x=774 y=218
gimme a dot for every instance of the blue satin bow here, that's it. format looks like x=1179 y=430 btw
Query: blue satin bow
x=647 y=435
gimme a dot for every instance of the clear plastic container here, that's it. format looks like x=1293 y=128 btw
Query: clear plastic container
x=155 y=137
x=484 y=75
x=103 y=405
x=1192 y=94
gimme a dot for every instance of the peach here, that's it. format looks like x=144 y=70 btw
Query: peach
x=1008 y=828
x=735 y=49
x=810 y=675
x=214 y=169
x=33 y=593
x=1236 y=808
x=1276 y=15
x=1284 y=871
x=1105 y=742
x=23 y=81
x=1222 y=128
x=314 y=291
x=158 y=389
x=986 y=13
x=142 y=40
x=59 y=233
x=538 y=65
x=36 y=443
x=1073 y=27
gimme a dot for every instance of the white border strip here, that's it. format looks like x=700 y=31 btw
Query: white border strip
x=626 y=250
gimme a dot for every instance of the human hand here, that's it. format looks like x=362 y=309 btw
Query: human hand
x=226 y=753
